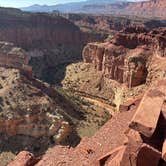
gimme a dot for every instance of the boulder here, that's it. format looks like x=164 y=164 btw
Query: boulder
x=132 y=154
x=24 y=158
x=146 y=117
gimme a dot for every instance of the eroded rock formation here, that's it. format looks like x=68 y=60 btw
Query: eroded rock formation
x=126 y=58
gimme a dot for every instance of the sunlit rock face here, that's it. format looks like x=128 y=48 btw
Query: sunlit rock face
x=25 y=109
x=126 y=58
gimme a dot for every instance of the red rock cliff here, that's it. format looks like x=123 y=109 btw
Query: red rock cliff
x=127 y=56
x=37 y=30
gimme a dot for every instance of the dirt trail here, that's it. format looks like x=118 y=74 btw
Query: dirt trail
x=98 y=103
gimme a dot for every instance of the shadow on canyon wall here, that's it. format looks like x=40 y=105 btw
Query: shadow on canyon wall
x=51 y=66
x=55 y=75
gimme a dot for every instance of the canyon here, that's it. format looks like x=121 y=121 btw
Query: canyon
x=83 y=89
x=131 y=136
x=35 y=115
x=48 y=40
x=129 y=59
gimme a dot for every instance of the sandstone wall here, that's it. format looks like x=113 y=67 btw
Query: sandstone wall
x=126 y=57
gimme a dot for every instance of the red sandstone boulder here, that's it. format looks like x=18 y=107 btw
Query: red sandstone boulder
x=24 y=158
x=148 y=155
x=145 y=120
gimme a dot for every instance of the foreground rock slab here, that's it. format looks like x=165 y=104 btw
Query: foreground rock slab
x=146 y=117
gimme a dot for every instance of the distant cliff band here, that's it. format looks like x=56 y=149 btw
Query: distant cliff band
x=14 y=57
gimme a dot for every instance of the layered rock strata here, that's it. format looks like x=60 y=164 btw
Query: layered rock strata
x=126 y=58
x=146 y=9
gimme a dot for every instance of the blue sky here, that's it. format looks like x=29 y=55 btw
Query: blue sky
x=22 y=3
